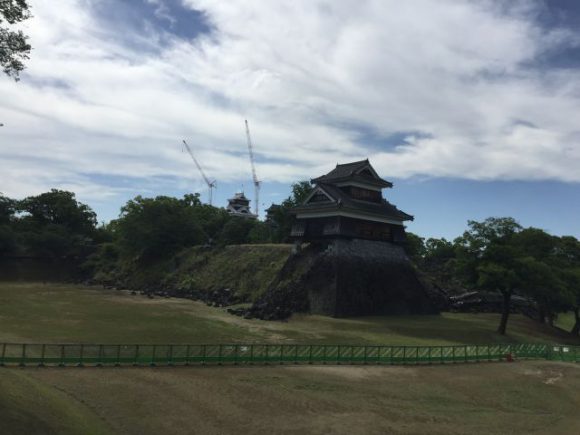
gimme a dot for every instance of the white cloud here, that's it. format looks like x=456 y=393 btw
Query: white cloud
x=309 y=75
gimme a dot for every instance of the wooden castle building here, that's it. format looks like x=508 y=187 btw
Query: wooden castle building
x=239 y=206
x=353 y=262
x=348 y=203
x=355 y=258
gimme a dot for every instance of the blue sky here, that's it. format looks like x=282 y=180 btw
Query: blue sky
x=471 y=108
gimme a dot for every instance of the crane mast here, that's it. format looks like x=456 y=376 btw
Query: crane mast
x=210 y=184
x=254 y=176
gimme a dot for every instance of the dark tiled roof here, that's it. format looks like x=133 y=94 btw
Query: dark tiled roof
x=348 y=171
x=344 y=201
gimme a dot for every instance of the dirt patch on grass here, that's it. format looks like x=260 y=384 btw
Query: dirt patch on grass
x=359 y=372
x=552 y=373
x=552 y=380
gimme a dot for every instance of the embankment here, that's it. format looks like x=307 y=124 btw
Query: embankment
x=219 y=275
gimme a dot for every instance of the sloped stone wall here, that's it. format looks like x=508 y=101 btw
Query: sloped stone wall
x=346 y=278
x=370 y=277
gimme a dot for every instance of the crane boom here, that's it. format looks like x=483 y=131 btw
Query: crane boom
x=210 y=184
x=254 y=175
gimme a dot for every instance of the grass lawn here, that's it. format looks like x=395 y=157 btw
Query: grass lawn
x=35 y=312
x=486 y=398
x=565 y=321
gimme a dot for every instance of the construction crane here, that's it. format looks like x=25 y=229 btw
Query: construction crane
x=254 y=176
x=210 y=184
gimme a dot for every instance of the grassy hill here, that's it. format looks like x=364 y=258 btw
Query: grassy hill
x=246 y=270
x=487 y=398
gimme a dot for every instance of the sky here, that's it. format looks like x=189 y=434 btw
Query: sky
x=471 y=108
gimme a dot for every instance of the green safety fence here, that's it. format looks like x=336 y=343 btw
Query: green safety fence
x=181 y=354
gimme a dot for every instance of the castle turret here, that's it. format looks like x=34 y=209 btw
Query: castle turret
x=348 y=203
x=354 y=262
x=239 y=205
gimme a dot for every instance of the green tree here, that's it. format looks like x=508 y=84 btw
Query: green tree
x=59 y=207
x=211 y=219
x=439 y=250
x=260 y=233
x=14 y=46
x=300 y=192
x=415 y=247
x=7 y=236
x=500 y=271
x=571 y=278
x=438 y=262
x=542 y=271
x=545 y=285
x=499 y=255
x=487 y=257
x=7 y=240
x=55 y=224
x=282 y=218
x=537 y=243
x=568 y=256
x=151 y=228
x=237 y=231
x=7 y=209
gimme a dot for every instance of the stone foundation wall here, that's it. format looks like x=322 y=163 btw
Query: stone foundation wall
x=346 y=278
x=366 y=249
x=367 y=277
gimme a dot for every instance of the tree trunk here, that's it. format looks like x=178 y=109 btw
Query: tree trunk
x=507 y=295
x=576 y=329
x=541 y=314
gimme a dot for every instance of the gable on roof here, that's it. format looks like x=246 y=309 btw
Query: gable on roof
x=341 y=201
x=361 y=171
x=367 y=173
x=318 y=195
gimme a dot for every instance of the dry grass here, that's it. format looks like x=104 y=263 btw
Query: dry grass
x=34 y=312
x=494 y=398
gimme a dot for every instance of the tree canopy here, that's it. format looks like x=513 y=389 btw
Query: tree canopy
x=151 y=228
x=52 y=224
x=282 y=218
x=14 y=46
x=499 y=255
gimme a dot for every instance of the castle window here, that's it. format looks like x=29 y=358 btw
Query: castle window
x=365 y=194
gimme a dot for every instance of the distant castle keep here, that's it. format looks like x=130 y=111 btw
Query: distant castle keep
x=348 y=202
x=239 y=206
x=353 y=262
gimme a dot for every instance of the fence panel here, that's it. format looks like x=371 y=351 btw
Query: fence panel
x=372 y=354
x=357 y=354
x=302 y=353
x=331 y=353
x=12 y=353
x=122 y=354
x=564 y=353
x=424 y=354
x=195 y=354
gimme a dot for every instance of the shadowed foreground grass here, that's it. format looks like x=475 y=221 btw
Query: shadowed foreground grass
x=35 y=312
x=488 y=398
